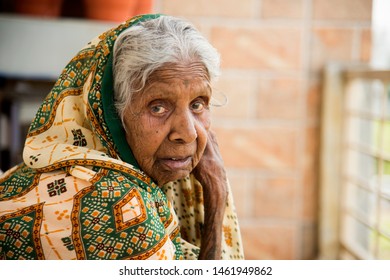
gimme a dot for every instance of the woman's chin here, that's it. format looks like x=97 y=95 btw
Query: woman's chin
x=166 y=178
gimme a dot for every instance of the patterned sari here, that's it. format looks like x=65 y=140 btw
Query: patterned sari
x=79 y=194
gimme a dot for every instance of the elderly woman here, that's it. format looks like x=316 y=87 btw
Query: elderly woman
x=120 y=162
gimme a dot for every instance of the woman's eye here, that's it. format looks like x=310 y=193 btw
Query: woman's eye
x=198 y=106
x=158 y=109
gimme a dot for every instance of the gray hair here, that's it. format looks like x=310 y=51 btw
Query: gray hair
x=147 y=46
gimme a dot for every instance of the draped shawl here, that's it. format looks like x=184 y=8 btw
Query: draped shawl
x=79 y=194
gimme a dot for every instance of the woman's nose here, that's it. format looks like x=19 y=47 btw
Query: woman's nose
x=183 y=128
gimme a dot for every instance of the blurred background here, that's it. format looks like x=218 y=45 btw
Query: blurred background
x=306 y=132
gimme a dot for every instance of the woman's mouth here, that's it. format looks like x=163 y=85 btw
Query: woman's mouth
x=176 y=163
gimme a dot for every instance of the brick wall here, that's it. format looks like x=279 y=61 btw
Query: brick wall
x=272 y=55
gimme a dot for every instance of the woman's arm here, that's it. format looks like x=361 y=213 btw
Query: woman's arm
x=210 y=172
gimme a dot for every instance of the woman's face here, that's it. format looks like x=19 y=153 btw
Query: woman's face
x=167 y=124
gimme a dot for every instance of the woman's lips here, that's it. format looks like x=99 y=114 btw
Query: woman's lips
x=175 y=163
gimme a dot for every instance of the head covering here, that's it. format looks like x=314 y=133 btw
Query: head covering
x=80 y=193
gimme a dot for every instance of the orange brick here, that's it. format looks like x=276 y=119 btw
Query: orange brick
x=267 y=148
x=366 y=44
x=280 y=99
x=342 y=9
x=239 y=91
x=275 y=197
x=241 y=185
x=313 y=100
x=310 y=175
x=291 y=9
x=215 y=8
x=259 y=48
x=263 y=242
x=331 y=44
x=309 y=204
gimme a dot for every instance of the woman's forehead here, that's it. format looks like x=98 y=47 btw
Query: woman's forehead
x=174 y=87
x=184 y=71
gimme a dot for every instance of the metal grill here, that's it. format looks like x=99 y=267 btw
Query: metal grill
x=355 y=173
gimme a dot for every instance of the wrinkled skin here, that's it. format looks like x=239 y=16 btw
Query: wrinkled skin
x=211 y=174
x=167 y=124
x=168 y=130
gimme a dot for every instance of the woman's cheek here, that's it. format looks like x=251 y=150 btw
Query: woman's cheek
x=205 y=120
